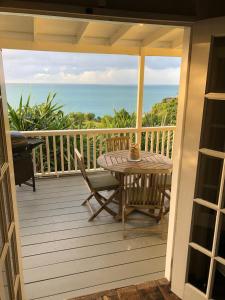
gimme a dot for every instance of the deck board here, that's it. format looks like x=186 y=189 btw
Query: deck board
x=56 y=219
x=92 y=278
x=90 y=251
x=66 y=256
x=70 y=233
x=109 y=285
x=66 y=225
x=92 y=263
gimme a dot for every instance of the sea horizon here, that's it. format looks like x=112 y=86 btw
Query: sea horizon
x=100 y=99
x=69 y=83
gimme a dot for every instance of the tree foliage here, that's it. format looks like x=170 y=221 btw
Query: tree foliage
x=38 y=117
x=162 y=113
x=50 y=116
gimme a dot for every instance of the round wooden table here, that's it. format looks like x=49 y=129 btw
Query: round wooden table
x=117 y=161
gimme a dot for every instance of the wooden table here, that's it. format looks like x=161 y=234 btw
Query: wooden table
x=117 y=161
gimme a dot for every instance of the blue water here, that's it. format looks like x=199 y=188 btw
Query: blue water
x=97 y=99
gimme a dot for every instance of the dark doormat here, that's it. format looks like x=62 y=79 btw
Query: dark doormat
x=153 y=290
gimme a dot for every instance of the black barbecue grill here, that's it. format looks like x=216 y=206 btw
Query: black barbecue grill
x=22 y=158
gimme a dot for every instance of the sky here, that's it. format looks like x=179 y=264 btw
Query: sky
x=23 y=66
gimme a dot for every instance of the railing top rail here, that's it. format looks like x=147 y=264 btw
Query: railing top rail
x=158 y=128
x=94 y=131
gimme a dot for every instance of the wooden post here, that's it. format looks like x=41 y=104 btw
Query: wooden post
x=175 y=261
x=140 y=93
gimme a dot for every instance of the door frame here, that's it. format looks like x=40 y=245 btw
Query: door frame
x=178 y=152
x=178 y=149
x=200 y=43
x=11 y=235
x=191 y=137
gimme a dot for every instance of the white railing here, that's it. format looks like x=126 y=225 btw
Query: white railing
x=56 y=155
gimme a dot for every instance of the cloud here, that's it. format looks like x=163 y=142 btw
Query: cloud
x=109 y=76
x=163 y=62
x=42 y=77
x=54 y=67
x=162 y=76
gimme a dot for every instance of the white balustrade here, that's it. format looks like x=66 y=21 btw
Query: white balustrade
x=56 y=155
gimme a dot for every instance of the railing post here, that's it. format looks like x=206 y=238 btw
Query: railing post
x=140 y=93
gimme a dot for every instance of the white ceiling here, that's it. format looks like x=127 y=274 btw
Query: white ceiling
x=84 y=35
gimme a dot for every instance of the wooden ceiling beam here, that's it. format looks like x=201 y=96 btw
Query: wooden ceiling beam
x=155 y=36
x=81 y=32
x=178 y=42
x=35 y=28
x=13 y=40
x=119 y=34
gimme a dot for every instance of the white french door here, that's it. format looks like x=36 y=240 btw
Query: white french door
x=198 y=270
x=11 y=281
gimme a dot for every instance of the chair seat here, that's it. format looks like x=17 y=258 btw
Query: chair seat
x=103 y=182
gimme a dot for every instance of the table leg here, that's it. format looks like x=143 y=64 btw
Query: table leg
x=119 y=198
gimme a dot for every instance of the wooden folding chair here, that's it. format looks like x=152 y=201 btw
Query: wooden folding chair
x=96 y=184
x=166 y=192
x=144 y=193
x=117 y=143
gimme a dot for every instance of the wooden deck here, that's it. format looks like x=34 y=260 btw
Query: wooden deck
x=66 y=256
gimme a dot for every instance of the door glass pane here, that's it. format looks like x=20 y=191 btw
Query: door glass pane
x=198 y=270
x=12 y=253
x=203 y=226
x=218 y=292
x=1 y=235
x=19 y=294
x=216 y=72
x=2 y=199
x=213 y=126
x=223 y=197
x=5 y=198
x=221 y=246
x=2 y=158
x=208 y=178
x=12 y=263
x=6 y=283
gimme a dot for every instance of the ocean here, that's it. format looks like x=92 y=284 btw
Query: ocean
x=97 y=99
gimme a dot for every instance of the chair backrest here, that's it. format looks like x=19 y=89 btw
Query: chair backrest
x=117 y=143
x=145 y=189
x=81 y=165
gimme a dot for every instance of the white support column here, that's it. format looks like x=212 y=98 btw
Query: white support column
x=140 y=93
x=173 y=261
